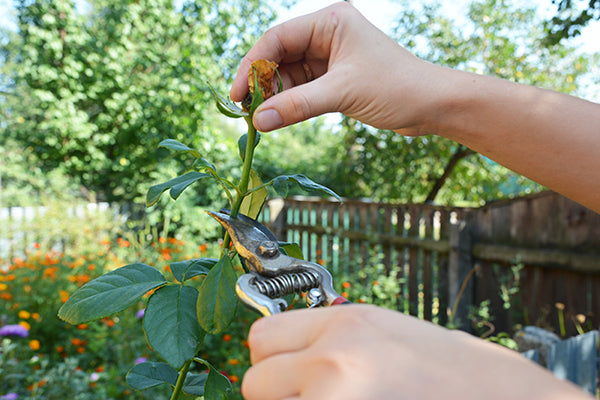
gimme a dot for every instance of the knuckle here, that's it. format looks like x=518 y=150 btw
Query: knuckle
x=300 y=106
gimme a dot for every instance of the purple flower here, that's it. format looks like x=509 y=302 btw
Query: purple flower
x=14 y=330
x=9 y=396
x=94 y=377
x=140 y=314
x=140 y=360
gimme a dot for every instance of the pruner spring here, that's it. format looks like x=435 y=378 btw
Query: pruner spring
x=273 y=274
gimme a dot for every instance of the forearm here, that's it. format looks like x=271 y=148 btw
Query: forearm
x=549 y=137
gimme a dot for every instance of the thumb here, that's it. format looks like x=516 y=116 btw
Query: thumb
x=296 y=104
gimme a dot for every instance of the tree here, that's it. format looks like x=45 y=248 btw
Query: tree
x=93 y=87
x=570 y=19
x=499 y=40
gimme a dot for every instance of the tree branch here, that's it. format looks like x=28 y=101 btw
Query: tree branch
x=460 y=153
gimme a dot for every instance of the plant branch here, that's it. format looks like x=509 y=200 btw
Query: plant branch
x=458 y=155
x=180 y=380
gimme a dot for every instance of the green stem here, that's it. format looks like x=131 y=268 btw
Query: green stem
x=180 y=380
x=246 y=168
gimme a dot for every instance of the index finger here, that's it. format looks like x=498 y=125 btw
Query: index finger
x=286 y=42
x=292 y=330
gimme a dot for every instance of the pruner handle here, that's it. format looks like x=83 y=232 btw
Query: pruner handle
x=341 y=300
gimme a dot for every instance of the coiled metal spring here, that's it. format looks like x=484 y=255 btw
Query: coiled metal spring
x=294 y=282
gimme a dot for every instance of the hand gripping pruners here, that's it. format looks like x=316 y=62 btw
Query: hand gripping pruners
x=273 y=274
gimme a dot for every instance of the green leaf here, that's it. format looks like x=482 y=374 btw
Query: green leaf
x=292 y=250
x=252 y=204
x=194 y=384
x=243 y=142
x=177 y=186
x=217 y=300
x=226 y=106
x=257 y=96
x=203 y=164
x=280 y=184
x=149 y=374
x=183 y=270
x=171 y=324
x=217 y=385
x=110 y=293
x=173 y=144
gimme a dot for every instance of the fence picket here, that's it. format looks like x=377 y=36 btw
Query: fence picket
x=416 y=239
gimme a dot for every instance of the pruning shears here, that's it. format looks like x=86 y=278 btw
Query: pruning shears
x=273 y=274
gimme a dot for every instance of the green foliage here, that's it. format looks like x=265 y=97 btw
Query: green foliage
x=500 y=39
x=570 y=19
x=171 y=324
x=217 y=301
x=111 y=293
x=84 y=89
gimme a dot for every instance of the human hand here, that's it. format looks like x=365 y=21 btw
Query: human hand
x=335 y=60
x=365 y=352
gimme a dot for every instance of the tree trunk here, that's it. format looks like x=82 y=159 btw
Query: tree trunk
x=460 y=153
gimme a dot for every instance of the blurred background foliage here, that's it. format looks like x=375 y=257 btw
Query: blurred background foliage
x=89 y=88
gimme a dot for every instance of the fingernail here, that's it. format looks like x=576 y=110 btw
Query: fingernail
x=268 y=120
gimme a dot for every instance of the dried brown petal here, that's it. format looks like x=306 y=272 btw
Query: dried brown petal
x=265 y=71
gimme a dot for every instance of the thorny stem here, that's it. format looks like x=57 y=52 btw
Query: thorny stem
x=180 y=380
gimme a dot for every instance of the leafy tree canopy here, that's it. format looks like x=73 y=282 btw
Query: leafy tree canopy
x=91 y=88
x=571 y=16
x=500 y=39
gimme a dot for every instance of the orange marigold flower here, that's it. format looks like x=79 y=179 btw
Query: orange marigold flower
x=36 y=245
x=233 y=378
x=91 y=267
x=99 y=369
x=172 y=240
x=60 y=349
x=25 y=325
x=233 y=361
x=203 y=248
x=320 y=261
x=81 y=349
x=3 y=286
x=34 y=344
x=35 y=315
x=227 y=337
x=346 y=285
x=64 y=295
x=162 y=239
x=10 y=277
x=345 y=294
x=82 y=326
x=75 y=341
x=24 y=314
x=109 y=322
x=6 y=296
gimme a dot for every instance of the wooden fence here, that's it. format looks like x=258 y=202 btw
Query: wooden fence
x=533 y=260
x=21 y=227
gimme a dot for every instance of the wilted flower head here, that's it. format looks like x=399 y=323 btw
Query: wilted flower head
x=14 y=330
x=265 y=72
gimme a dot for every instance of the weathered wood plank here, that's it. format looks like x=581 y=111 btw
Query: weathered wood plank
x=576 y=359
